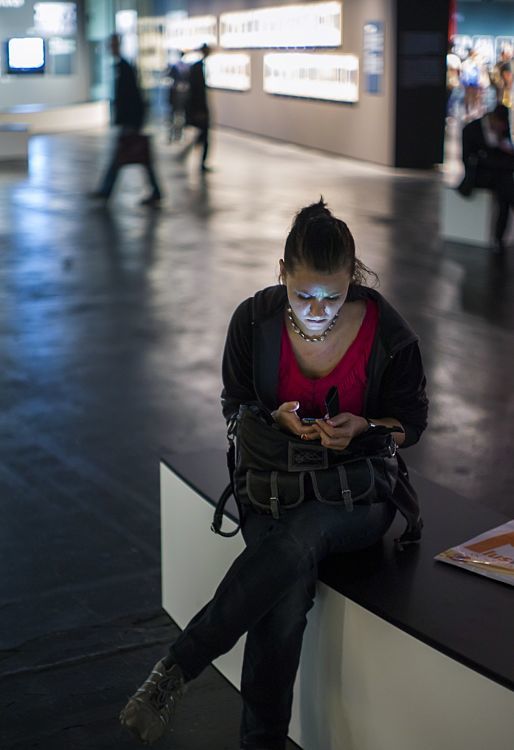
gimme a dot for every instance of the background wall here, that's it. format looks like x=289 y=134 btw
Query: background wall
x=364 y=130
x=46 y=88
x=495 y=18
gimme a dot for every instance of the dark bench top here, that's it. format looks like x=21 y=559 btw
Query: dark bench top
x=461 y=614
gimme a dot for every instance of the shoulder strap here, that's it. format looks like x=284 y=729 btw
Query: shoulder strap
x=219 y=510
x=406 y=500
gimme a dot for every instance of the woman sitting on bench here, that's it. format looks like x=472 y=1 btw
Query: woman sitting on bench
x=286 y=347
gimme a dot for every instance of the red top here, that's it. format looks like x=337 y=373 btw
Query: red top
x=349 y=375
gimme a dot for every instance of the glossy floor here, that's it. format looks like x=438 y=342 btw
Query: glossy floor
x=112 y=325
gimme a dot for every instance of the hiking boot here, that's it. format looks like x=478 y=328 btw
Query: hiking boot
x=149 y=712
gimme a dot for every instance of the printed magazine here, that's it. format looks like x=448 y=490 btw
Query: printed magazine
x=490 y=554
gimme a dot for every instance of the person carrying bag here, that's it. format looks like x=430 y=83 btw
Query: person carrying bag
x=323 y=387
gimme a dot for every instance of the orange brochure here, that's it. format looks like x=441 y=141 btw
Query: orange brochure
x=490 y=554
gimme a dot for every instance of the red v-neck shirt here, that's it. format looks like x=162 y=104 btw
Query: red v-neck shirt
x=349 y=375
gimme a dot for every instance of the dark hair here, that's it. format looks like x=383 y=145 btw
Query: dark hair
x=324 y=243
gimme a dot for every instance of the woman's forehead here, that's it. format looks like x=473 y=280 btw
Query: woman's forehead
x=317 y=281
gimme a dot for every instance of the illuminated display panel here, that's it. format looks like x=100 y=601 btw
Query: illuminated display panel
x=125 y=23
x=309 y=25
x=25 y=55
x=190 y=33
x=55 y=19
x=225 y=70
x=329 y=77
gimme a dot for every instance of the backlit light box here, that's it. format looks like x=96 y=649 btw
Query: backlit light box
x=25 y=55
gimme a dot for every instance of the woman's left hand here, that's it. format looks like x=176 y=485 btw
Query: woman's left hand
x=337 y=432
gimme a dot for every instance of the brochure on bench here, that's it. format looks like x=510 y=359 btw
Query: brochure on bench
x=490 y=554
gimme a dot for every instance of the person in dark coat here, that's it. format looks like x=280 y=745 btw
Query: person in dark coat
x=128 y=114
x=179 y=94
x=488 y=156
x=197 y=109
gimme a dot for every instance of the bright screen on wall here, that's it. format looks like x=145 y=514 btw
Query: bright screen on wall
x=25 y=55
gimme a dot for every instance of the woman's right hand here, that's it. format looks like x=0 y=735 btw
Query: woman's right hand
x=287 y=418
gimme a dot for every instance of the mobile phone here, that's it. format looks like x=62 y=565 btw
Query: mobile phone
x=309 y=420
x=332 y=402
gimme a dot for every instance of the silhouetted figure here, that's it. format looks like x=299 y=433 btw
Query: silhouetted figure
x=197 y=110
x=502 y=77
x=179 y=94
x=132 y=147
x=488 y=156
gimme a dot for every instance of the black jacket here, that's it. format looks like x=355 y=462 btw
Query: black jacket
x=197 y=108
x=129 y=109
x=396 y=381
x=475 y=150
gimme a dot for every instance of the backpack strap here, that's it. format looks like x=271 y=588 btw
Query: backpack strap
x=406 y=500
x=219 y=510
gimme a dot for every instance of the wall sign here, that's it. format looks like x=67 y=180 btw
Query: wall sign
x=373 y=61
x=228 y=70
x=309 y=25
x=329 y=77
x=190 y=33
x=125 y=23
x=55 y=19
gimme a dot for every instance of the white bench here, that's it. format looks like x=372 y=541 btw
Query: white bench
x=403 y=654
x=14 y=142
x=470 y=220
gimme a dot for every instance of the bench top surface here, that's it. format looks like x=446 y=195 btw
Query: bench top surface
x=465 y=616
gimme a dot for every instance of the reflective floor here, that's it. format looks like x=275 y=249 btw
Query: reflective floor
x=112 y=322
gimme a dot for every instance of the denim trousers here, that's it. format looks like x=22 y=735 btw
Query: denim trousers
x=266 y=594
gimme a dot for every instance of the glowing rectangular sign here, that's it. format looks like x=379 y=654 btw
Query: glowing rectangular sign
x=12 y=3
x=25 y=54
x=190 y=33
x=55 y=19
x=228 y=70
x=309 y=25
x=329 y=77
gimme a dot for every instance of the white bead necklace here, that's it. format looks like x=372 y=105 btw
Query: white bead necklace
x=304 y=336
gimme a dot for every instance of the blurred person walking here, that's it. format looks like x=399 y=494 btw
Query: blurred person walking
x=453 y=70
x=502 y=77
x=488 y=156
x=197 y=109
x=178 y=73
x=132 y=147
x=471 y=80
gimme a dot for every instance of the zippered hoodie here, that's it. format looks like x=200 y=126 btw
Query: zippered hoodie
x=395 y=378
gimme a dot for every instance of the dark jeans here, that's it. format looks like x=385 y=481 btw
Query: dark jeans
x=111 y=175
x=267 y=593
